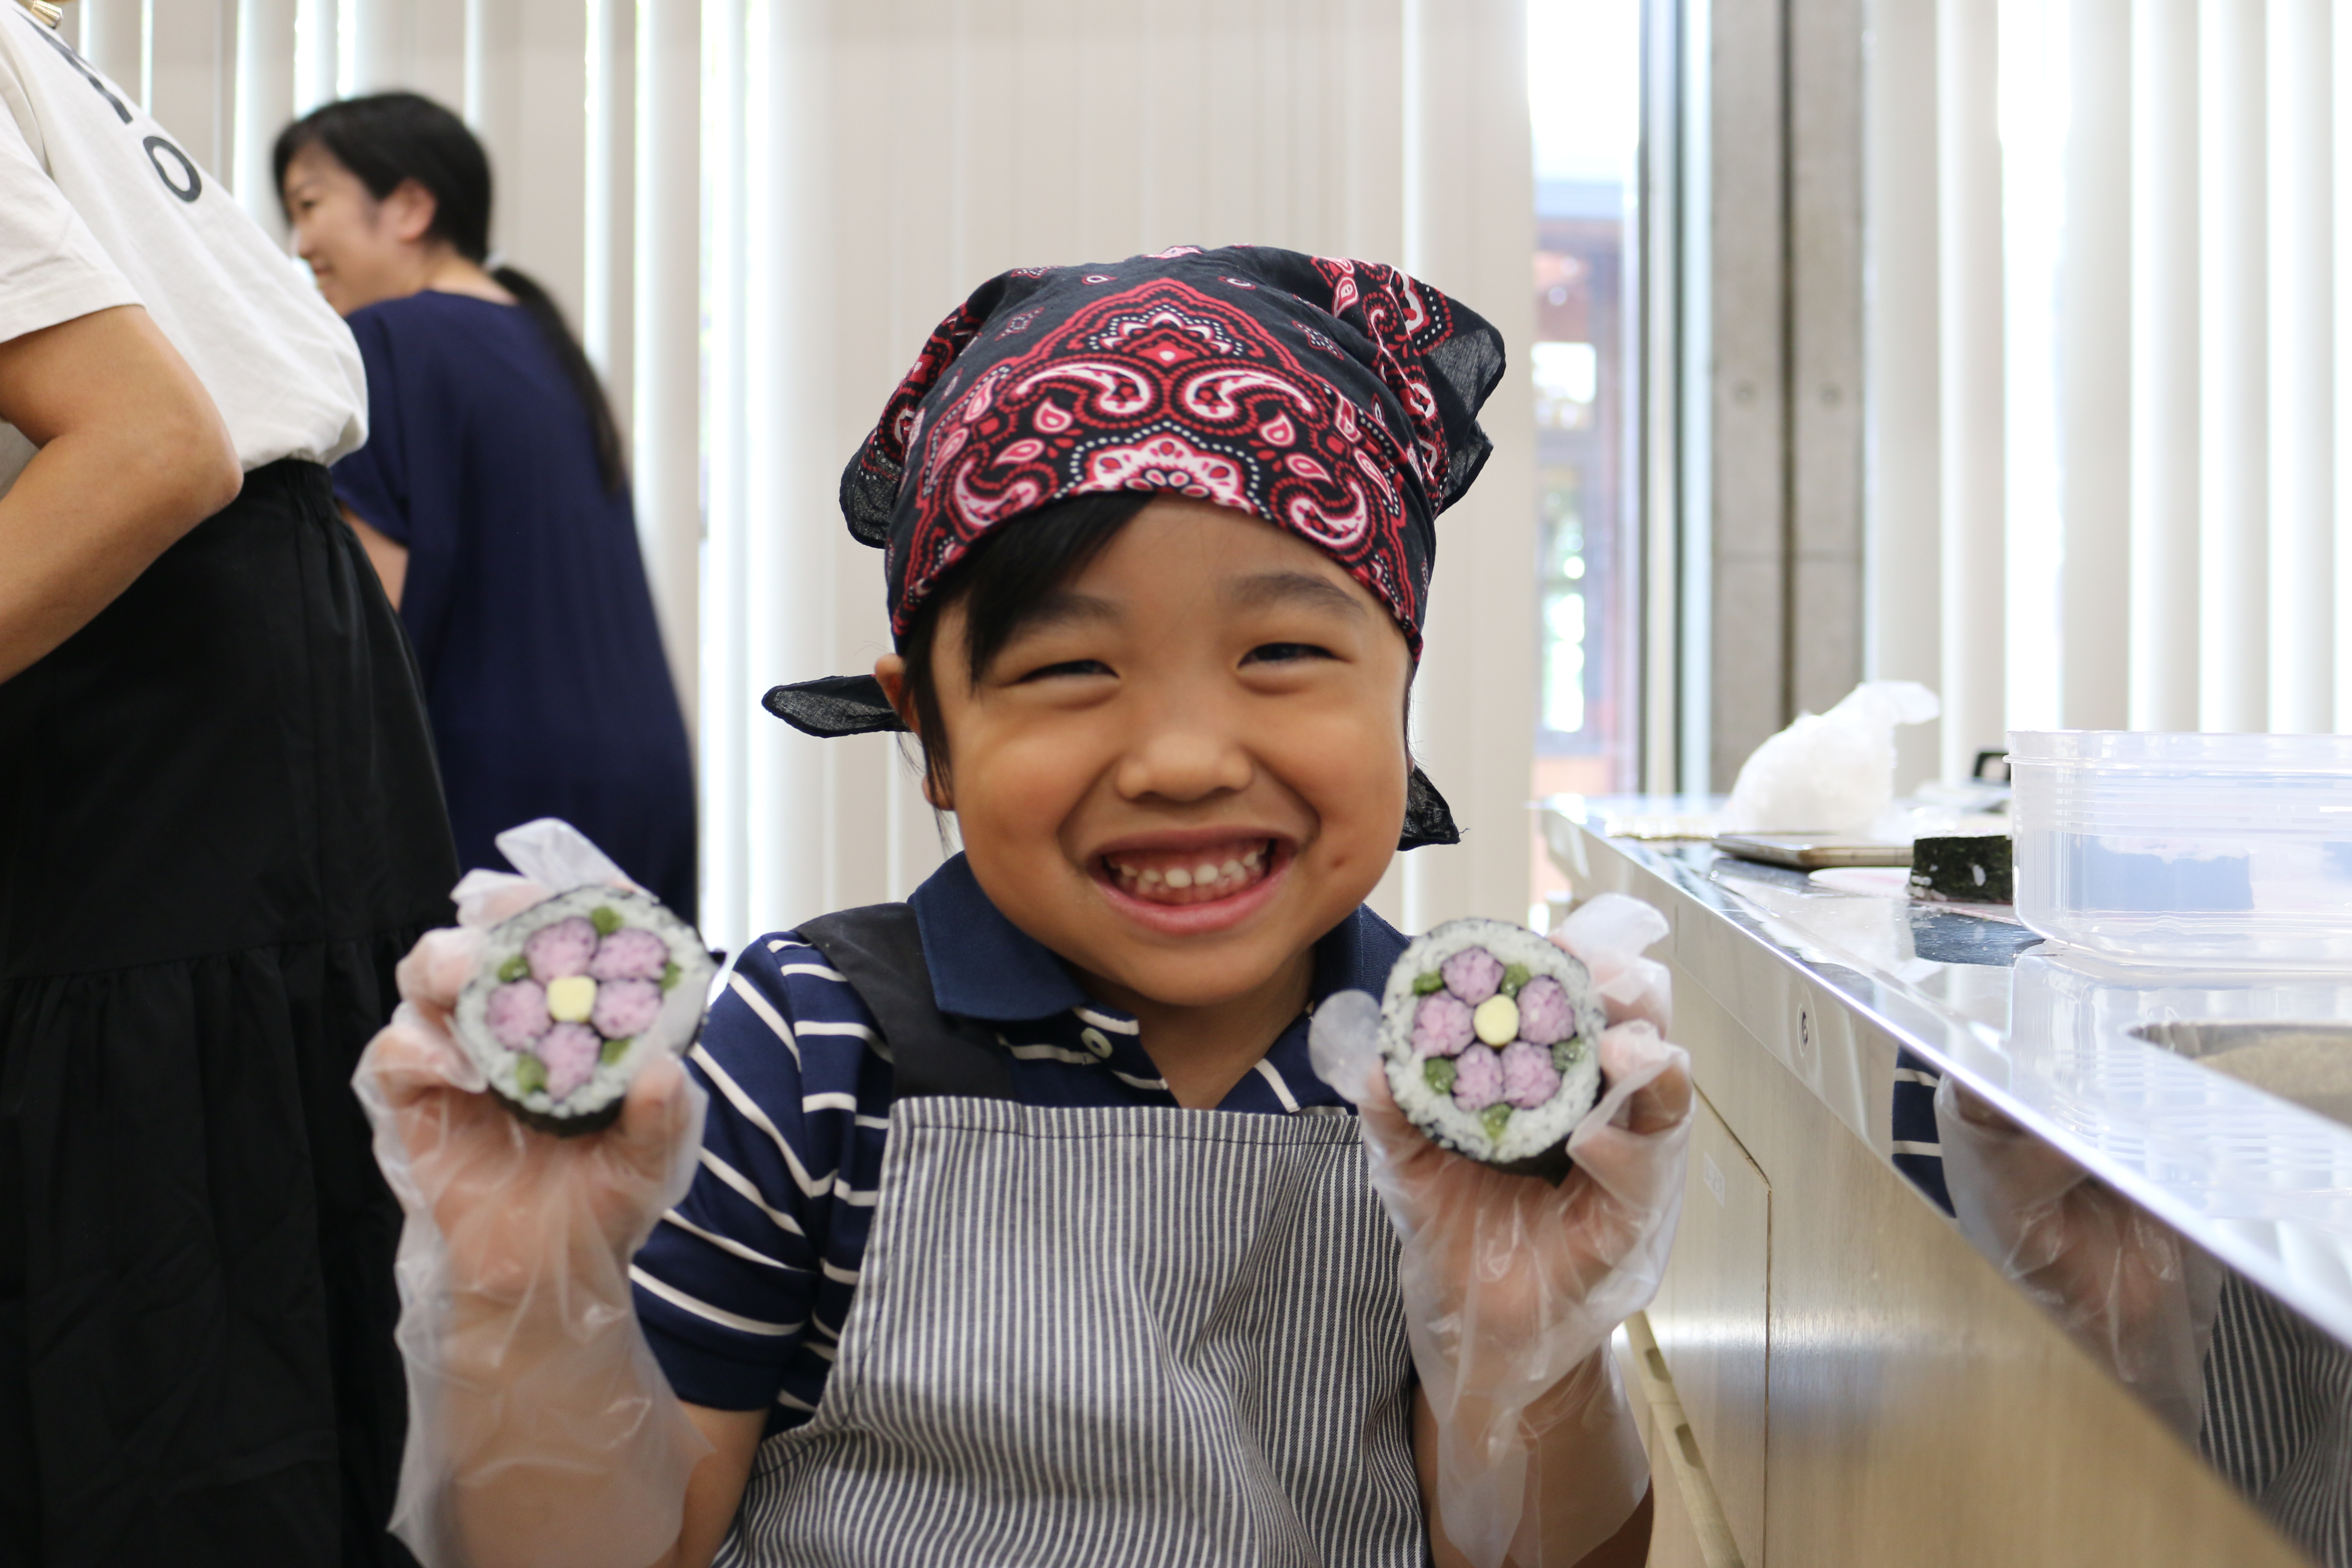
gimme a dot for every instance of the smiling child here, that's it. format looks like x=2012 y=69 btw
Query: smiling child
x=1021 y=1228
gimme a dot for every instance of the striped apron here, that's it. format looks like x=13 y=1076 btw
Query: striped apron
x=2278 y=1418
x=1121 y=1335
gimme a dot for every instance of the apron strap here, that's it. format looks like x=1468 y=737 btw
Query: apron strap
x=879 y=950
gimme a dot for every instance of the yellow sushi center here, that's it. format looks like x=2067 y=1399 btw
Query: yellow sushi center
x=571 y=999
x=1497 y=1021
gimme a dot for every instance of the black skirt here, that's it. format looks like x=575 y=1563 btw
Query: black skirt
x=220 y=827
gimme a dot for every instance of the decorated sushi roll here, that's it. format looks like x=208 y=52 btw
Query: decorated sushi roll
x=1489 y=1034
x=574 y=996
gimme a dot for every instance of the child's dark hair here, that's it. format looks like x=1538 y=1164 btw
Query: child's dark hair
x=386 y=138
x=1001 y=584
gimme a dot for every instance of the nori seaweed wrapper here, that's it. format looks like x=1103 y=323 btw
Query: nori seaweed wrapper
x=1978 y=868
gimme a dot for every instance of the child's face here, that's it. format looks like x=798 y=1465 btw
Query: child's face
x=1192 y=765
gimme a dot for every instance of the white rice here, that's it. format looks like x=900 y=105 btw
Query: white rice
x=674 y=1027
x=1529 y=1133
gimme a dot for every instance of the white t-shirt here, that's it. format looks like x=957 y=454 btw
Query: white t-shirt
x=100 y=208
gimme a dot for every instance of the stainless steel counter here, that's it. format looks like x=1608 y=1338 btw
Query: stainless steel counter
x=1804 y=1008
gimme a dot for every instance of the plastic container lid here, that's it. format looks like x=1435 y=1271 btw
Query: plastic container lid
x=2138 y=748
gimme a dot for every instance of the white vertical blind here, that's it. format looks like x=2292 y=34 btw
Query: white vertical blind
x=1902 y=614
x=114 y=37
x=610 y=217
x=265 y=103
x=2031 y=96
x=2340 y=281
x=2094 y=345
x=2164 y=365
x=2166 y=204
x=1972 y=417
x=190 y=48
x=666 y=322
x=2302 y=239
x=2235 y=331
x=1470 y=229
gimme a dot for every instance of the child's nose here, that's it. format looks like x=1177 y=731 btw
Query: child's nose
x=1185 y=762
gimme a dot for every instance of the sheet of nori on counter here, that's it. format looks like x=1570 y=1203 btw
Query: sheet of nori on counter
x=1975 y=870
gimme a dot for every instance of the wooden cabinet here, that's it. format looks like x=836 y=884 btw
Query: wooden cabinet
x=1859 y=1388
x=1711 y=1320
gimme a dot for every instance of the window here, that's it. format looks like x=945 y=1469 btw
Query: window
x=1584 y=74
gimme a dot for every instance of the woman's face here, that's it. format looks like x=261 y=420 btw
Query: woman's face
x=1192 y=764
x=360 y=249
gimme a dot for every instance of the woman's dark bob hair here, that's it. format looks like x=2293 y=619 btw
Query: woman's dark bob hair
x=388 y=138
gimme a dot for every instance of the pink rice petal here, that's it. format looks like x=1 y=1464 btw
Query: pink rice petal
x=561 y=950
x=518 y=1014
x=1545 y=1014
x=1528 y=1077
x=625 y=1008
x=1474 y=974
x=630 y=953
x=570 y=1052
x=1477 y=1078
x=1441 y=1025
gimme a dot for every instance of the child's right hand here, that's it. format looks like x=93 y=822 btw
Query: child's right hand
x=527 y=1221
x=541 y=1428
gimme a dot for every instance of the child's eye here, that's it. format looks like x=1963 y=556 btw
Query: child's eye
x=1066 y=668
x=1285 y=653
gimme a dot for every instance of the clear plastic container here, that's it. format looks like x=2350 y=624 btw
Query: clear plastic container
x=2233 y=850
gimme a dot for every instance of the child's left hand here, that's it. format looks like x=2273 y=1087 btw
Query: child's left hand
x=1520 y=1280
x=1512 y=1286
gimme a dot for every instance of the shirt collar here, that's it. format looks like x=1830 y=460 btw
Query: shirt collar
x=981 y=964
x=984 y=966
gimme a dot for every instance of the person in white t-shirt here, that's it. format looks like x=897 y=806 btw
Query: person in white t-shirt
x=220 y=826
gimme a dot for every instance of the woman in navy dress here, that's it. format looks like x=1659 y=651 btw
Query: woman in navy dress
x=492 y=498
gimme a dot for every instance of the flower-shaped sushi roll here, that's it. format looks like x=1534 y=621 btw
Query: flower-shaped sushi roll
x=574 y=996
x=1489 y=1035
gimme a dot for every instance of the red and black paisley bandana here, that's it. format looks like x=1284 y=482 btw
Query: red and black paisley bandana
x=1336 y=399
x=1339 y=400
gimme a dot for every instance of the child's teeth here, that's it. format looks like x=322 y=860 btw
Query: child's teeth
x=1202 y=882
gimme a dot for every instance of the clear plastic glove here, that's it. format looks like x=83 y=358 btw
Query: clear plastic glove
x=2123 y=1285
x=1606 y=933
x=1512 y=1286
x=541 y=1428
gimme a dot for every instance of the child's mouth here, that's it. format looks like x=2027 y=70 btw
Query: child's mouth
x=1200 y=875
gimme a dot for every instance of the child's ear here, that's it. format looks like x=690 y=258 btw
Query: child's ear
x=890 y=674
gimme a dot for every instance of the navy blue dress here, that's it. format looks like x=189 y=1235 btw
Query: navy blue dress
x=526 y=595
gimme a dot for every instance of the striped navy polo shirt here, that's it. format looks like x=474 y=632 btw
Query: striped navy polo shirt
x=743 y=1288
